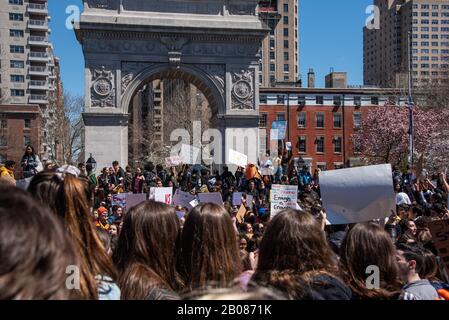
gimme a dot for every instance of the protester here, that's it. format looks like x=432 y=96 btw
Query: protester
x=411 y=262
x=35 y=250
x=146 y=253
x=368 y=245
x=30 y=163
x=295 y=258
x=7 y=173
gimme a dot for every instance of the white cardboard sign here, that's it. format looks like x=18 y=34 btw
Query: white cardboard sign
x=238 y=158
x=283 y=197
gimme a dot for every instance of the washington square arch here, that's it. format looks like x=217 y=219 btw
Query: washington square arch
x=213 y=44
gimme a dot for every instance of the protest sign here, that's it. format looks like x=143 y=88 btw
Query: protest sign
x=211 y=197
x=190 y=154
x=249 y=200
x=133 y=200
x=440 y=234
x=194 y=203
x=119 y=200
x=358 y=194
x=173 y=161
x=283 y=197
x=23 y=184
x=288 y=146
x=238 y=158
x=183 y=199
x=278 y=129
x=237 y=198
x=163 y=195
x=241 y=214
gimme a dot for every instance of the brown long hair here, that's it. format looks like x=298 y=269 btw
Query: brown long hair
x=293 y=250
x=210 y=254
x=368 y=244
x=34 y=250
x=146 y=251
x=72 y=205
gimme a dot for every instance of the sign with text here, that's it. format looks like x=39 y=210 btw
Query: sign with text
x=283 y=197
x=190 y=154
x=440 y=234
x=358 y=194
x=238 y=158
x=173 y=161
x=134 y=199
x=278 y=129
x=183 y=199
x=163 y=195
x=211 y=197
x=237 y=198
x=119 y=200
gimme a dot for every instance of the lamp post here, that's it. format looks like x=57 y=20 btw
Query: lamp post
x=410 y=102
x=91 y=161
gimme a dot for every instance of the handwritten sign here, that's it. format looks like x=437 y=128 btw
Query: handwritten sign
x=163 y=195
x=173 y=161
x=183 y=199
x=283 y=197
x=358 y=194
x=440 y=234
x=238 y=158
x=249 y=200
x=237 y=198
x=190 y=154
x=278 y=129
x=211 y=197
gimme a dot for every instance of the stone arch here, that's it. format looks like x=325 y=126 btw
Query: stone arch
x=212 y=90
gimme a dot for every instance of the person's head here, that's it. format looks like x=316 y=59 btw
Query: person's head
x=437 y=210
x=242 y=243
x=147 y=249
x=210 y=255
x=248 y=228
x=73 y=207
x=81 y=166
x=34 y=250
x=365 y=245
x=159 y=183
x=225 y=169
x=410 y=260
x=10 y=165
x=430 y=268
x=251 y=185
x=115 y=165
x=138 y=171
x=403 y=211
x=113 y=230
x=408 y=227
x=44 y=187
x=29 y=150
x=105 y=171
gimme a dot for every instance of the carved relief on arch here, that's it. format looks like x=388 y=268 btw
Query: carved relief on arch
x=215 y=72
x=130 y=70
x=103 y=87
x=242 y=92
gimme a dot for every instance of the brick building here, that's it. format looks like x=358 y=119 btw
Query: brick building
x=320 y=121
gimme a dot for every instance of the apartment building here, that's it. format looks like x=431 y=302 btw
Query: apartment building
x=280 y=50
x=415 y=31
x=29 y=76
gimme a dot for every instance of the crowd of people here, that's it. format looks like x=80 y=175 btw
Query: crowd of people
x=156 y=251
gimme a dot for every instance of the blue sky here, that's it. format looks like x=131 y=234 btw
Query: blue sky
x=330 y=36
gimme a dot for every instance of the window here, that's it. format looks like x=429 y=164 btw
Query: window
x=272 y=43
x=285 y=32
x=16 y=17
x=280 y=99
x=285 y=7
x=302 y=144
x=357 y=119
x=272 y=55
x=285 y=19
x=272 y=80
x=17 y=64
x=17 y=78
x=286 y=67
x=16 y=49
x=319 y=120
x=285 y=44
x=286 y=56
x=337 y=144
x=263 y=120
x=322 y=166
x=320 y=145
x=375 y=101
x=302 y=119
x=26 y=141
x=272 y=67
x=17 y=2
x=337 y=120
x=16 y=33
x=280 y=116
x=357 y=101
x=263 y=99
x=17 y=93
x=3 y=124
x=3 y=141
x=27 y=123
x=319 y=100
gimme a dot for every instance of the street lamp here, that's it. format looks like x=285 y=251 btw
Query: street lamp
x=91 y=161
